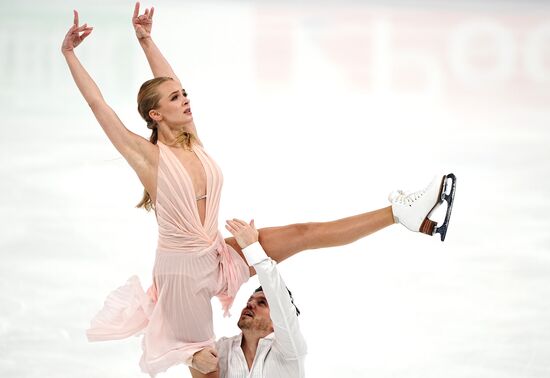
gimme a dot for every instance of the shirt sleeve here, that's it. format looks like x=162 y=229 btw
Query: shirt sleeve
x=288 y=339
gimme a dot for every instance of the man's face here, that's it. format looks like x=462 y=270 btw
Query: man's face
x=255 y=316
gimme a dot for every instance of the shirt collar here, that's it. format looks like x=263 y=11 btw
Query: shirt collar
x=239 y=338
x=269 y=337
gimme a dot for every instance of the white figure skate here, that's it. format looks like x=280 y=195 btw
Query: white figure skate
x=413 y=210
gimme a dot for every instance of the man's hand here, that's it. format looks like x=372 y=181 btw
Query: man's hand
x=205 y=360
x=143 y=23
x=244 y=233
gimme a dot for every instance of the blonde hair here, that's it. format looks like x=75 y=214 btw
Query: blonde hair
x=148 y=98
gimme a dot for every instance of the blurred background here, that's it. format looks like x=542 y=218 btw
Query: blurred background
x=315 y=110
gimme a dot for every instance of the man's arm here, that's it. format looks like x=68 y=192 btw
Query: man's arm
x=289 y=340
x=205 y=360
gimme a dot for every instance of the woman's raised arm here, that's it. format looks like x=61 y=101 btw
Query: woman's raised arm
x=143 y=25
x=139 y=152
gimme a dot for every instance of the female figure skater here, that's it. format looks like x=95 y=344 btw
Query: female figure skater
x=183 y=184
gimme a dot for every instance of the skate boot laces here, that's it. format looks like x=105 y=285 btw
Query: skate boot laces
x=402 y=198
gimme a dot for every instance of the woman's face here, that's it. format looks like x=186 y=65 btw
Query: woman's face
x=173 y=107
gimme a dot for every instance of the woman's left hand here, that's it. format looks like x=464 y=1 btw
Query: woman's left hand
x=143 y=24
x=244 y=233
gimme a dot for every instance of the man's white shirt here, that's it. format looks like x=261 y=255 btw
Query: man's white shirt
x=281 y=353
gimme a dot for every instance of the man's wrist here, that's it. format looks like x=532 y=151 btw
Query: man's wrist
x=254 y=254
x=192 y=362
x=245 y=243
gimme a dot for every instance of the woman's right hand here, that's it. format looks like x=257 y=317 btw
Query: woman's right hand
x=143 y=23
x=73 y=37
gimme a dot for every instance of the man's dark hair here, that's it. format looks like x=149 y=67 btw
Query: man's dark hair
x=289 y=293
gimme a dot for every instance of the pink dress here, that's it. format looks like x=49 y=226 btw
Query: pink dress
x=192 y=265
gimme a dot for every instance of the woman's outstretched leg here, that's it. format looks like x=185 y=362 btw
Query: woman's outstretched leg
x=282 y=242
x=411 y=210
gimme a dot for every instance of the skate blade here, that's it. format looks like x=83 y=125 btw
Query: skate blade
x=447 y=194
x=428 y=226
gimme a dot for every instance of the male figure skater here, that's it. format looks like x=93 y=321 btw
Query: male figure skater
x=271 y=344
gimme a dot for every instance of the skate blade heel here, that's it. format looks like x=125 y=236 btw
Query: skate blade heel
x=449 y=198
x=427 y=226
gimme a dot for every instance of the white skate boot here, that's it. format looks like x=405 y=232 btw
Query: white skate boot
x=413 y=210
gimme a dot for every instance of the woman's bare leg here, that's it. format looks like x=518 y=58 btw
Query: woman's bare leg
x=282 y=242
